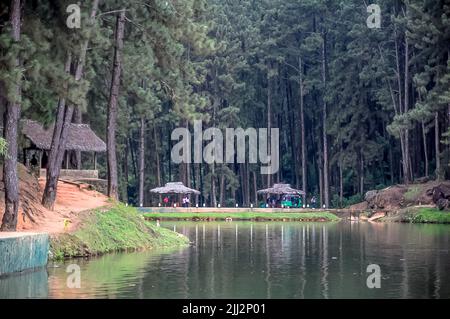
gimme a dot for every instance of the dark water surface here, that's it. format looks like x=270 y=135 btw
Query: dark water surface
x=262 y=260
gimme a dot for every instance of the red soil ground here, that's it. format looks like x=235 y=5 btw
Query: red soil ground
x=71 y=202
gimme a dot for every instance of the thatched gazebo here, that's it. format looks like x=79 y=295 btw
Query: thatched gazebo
x=80 y=138
x=175 y=188
x=281 y=189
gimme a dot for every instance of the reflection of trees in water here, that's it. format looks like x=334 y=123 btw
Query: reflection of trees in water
x=285 y=260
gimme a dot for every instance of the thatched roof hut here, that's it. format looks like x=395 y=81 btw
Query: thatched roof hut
x=281 y=189
x=174 y=188
x=81 y=137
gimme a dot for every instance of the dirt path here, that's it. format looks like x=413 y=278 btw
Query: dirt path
x=72 y=202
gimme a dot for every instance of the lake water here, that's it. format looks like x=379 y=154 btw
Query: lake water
x=262 y=260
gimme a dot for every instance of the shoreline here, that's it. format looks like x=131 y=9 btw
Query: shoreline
x=245 y=216
x=115 y=229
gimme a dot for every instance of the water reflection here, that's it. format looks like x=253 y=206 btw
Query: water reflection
x=264 y=260
x=32 y=284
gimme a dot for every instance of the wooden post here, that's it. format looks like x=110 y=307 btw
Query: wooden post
x=41 y=152
x=67 y=159
x=95 y=160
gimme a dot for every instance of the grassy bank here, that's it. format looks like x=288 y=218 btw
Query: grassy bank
x=310 y=216
x=420 y=215
x=114 y=229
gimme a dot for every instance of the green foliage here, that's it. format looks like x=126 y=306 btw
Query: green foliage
x=222 y=62
x=119 y=228
x=346 y=201
x=430 y=215
x=3 y=146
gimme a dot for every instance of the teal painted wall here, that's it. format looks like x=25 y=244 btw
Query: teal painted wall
x=22 y=251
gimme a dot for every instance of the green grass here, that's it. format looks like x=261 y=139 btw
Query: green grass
x=426 y=215
x=309 y=216
x=118 y=228
x=431 y=215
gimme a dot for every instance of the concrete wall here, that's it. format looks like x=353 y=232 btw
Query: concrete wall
x=22 y=251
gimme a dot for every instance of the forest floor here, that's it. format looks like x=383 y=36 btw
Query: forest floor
x=72 y=203
x=405 y=203
x=400 y=196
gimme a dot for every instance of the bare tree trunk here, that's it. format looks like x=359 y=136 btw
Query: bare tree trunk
x=188 y=165
x=341 y=185
x=269 y=116
x=255 y=189
x=125 y=170
x=361 y=176
x=302 y=125
x=141 y=161
x=112 y=108
x=321 y=183
x=222 y=189
x=406 y=108
x=325 y=138
x=158 y=165
x=247 y=183
x=53 y=170
x=213 y=186
x=401 y=108
x=10 y=178
x=436 y=145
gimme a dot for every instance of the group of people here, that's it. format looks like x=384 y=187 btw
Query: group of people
x=185 y=201
x=273 y=202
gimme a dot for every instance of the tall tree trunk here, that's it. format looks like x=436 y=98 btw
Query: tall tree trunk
x=436 y=145
x=125 y=170
x=247 y=183
x=112 y=108
x=188 y=166
x=213 y=186
x=406 y=108
x=341 y=185
x=302 y=125
x=321 y=183
x=141 y=161
x=222 y=189
x=269 y=116
x=361 y=175
x=401 y=108
x=158 y=165
x=325 y=138
x=255 y=189
x=54 y=168
x=10 y=178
